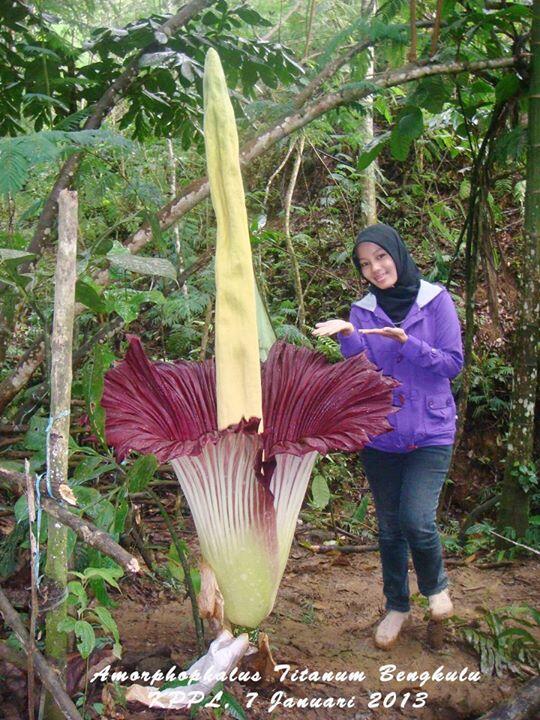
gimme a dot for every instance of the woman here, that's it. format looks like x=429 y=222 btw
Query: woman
x=409 y=328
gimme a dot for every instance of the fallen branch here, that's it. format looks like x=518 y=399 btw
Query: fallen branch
x=88 y=533
x=346 y=549
x=45 y=672
x=514 y=542
x=525 y=705
x=456 y=562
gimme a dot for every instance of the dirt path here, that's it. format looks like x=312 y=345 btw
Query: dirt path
x=324 y=619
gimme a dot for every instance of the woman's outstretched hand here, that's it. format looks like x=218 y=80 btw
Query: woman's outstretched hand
x=391 y=332
x=331 y=327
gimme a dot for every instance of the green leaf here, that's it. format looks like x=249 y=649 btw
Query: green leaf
x=507 y=87
x=86 y=496
x=232 y=706
x=20 y=509
x=88 y=295
x=67 y=624
x=252 y=17
x=432 y=93
x=76 y=588
x=360 y=512
x=177 y=571
x=107 y=621
x=110 y=575
x=120 y=516
x=87 y=637
x=35 y=435
x=91 y=467
x=141 y=472
x=320 y=492
x=173 y=561
x=409 y=127
x=15 y=257
x=93 y=389
x=143 y=265
x=127 y=302
x=372 y=150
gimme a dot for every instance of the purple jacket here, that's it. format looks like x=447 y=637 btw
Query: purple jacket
x=423 y=365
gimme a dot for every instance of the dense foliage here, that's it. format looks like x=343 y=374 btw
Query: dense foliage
x=447 y=152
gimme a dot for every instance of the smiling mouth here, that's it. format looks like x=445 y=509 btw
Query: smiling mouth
x=378 y=278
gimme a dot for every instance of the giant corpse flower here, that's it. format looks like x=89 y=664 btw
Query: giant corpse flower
x=245 y=488
x=242 y=436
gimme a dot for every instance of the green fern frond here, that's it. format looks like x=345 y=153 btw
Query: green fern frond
x=18 y=155
x=180 y=307
x=14 y=173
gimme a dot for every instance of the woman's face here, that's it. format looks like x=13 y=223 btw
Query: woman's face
x=377 y=265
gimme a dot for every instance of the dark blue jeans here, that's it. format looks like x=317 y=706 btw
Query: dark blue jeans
x=406 y=489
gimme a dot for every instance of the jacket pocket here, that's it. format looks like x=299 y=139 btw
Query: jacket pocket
x=439 y=412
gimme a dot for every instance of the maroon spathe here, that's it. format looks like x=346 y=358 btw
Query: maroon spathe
x=169 y=409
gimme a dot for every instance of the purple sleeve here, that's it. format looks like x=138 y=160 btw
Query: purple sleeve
x=354 y=343
x=446 y=357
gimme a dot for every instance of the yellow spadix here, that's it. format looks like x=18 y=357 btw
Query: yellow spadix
x=238 y=375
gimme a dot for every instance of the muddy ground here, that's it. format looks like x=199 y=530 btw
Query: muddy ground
x=323 y=620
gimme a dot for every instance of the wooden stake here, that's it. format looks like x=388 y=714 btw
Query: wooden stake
x=56 y=641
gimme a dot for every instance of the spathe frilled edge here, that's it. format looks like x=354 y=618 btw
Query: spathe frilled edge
x=169 y=409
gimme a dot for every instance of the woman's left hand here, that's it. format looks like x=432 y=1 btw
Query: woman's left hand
x=394 y=333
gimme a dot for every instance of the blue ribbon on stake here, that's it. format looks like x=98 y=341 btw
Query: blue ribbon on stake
x=64 y=413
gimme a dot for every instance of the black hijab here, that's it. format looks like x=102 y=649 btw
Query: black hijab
x=397 y=300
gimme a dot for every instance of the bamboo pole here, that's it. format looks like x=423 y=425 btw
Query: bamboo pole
x=56 y=641
x=64 y=704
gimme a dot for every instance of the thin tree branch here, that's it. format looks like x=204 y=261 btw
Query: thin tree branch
x=331 y=69
x=290 y=247
x=34 y=605
x=282 y=21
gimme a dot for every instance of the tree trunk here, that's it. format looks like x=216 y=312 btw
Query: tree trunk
x=56 y=641
x=514 y=507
